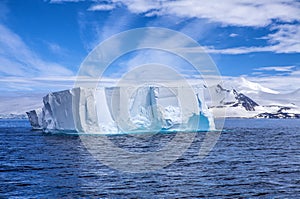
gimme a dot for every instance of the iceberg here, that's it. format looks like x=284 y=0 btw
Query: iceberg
x=35 y=118
x=117 y=110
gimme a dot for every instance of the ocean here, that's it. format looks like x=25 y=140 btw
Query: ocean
x=252 y=158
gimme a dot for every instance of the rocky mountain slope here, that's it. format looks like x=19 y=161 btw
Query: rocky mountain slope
x=245 y=99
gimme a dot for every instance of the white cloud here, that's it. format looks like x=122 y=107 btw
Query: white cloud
x=140 y=6
x=285 y=39
x=232 y=12
x=241 y=13
x=19 y=61
x=116 y=22
x=276 y=68
x=236 y=51
x=284 y=84
x=54 y=47
x=102 y=7
x=233 y=35
x=16 y=84
x=283 y=16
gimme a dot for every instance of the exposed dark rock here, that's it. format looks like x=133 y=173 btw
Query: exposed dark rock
x=278 y=115
x=245 y=101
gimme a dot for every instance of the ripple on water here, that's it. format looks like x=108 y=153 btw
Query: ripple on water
x=253 y=158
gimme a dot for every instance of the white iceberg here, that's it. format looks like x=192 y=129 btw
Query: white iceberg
x=117 y=110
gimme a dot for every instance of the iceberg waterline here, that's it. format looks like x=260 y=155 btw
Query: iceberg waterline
x=117 y=110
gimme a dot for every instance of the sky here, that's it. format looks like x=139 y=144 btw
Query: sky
x=44 y=42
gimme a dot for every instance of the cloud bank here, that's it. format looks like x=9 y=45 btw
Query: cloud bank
x=281 y=17
x=232 y=12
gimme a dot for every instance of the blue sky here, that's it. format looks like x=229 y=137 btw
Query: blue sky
x=42 y=42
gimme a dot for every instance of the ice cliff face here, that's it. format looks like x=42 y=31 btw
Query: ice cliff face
x=112 y=110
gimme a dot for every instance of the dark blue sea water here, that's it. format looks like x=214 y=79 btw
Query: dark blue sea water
x=252 y=158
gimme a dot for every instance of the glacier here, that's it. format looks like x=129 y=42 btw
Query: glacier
x=117 y=110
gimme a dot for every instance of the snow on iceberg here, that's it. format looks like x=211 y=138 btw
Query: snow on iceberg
x=115 y=110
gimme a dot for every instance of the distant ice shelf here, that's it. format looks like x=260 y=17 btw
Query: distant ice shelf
x=112 y=111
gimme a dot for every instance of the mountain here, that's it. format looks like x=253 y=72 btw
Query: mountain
x=237 y=97
x=232 y=98
x=244 y=101
x=247 y=87
x=242 y=98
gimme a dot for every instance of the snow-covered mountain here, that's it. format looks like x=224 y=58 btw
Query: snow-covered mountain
x=242 y=98
x=234 y=99
x=239 y=97
x=247 y=87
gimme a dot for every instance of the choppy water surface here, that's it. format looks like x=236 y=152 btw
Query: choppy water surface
x=252 y=158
